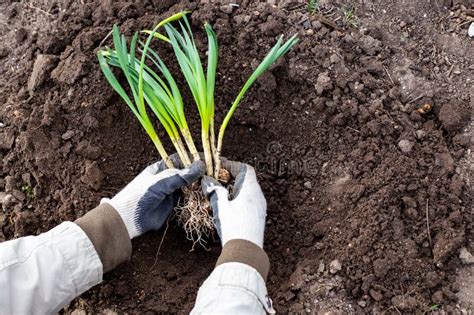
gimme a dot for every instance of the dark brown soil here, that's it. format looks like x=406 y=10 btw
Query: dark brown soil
x=355 y=166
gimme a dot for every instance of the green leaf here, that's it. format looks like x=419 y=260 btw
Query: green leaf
x=275 y=53
x=212 y=55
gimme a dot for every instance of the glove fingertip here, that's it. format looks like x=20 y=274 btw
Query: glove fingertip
x=221 y=193
x=194 y=172
x=208 y=185
x=199 y=167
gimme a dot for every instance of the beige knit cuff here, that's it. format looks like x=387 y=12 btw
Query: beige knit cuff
x=107 y=232
x=245 y=252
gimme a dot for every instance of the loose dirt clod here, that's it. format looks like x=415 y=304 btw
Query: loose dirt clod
x=405 y=145
x=466 y=257
x=334 y=266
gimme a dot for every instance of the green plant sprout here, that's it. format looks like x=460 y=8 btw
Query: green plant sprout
x=163 y=96
x=28 y=190
x=312 y=6
x=435 y=307
x=160 y=93
x=127 y=61
x=350 y=16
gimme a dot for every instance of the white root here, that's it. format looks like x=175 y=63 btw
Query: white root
x=192 y=212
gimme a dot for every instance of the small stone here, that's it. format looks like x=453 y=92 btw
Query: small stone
x=316 y=25
x=310 y=32
x=405 y=145
x=321 y=267
x=308 y=185
x=420 y=134
x=226 y=8
x=68 y=135
x=470 y=31
x=335 y=266
x=41 y=70
x=362 y=303
x=465 y=256
x=376 y=295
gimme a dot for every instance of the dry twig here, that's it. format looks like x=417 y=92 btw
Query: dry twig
x=161 y=242
x=428 y=224
x=389 y=76
x=38 y=9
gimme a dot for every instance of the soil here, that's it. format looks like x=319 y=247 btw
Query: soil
x=360 y=137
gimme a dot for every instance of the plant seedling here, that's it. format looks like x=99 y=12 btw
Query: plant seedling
x=350 y=16
x=312 y=6
x=160 y=93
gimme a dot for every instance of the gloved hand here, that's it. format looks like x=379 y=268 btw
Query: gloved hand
x=146 y=202
x=243 y=217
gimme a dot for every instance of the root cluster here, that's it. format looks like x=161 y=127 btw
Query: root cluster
x=194 y=215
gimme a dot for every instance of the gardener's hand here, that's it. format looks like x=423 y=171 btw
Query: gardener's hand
x=146 y=202
x=243 y=217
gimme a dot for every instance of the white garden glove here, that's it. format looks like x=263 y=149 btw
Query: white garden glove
x=243 y=217
x=146 y=202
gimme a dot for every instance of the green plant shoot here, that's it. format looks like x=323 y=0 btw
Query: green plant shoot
x=162 y=94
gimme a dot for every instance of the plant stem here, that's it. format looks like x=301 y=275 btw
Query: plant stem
x=161 y=150
x=222 y=130
x=190 y=143
x=217 y=156
x=207 y=150
x=181 y=150
x=213 y=142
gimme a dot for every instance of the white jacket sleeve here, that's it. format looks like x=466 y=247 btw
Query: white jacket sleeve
x=233 y=288
x=41 y=274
